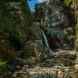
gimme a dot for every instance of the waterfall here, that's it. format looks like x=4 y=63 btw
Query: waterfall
x=45 y=42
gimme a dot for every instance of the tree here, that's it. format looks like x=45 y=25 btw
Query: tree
x=15 y=20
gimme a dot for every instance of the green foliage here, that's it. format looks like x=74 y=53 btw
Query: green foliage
x=67 y=2
x=3 y=65
x=8 y=1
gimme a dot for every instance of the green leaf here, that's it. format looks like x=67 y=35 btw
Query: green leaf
x=2 y=62
x=67 y=2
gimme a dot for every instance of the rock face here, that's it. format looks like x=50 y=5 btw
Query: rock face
x=56 y=24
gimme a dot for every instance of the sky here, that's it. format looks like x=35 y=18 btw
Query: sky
x=42 y=0
x=33 y=2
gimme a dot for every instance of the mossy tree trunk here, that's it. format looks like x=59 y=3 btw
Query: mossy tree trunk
x=76 y=28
